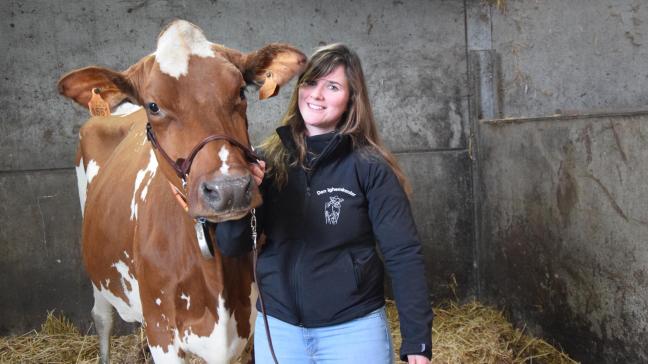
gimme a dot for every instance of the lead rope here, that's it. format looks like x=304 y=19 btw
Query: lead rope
x=253 y=225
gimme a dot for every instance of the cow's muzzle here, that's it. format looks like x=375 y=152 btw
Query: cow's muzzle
x=226 y=194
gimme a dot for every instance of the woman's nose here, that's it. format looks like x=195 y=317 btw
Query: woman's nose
x=317 y=93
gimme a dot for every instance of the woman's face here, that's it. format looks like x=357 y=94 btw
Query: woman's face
x=323 y=101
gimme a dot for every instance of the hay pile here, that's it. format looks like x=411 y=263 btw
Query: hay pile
x=59 y=341
x=469 y=333
x=473 y=333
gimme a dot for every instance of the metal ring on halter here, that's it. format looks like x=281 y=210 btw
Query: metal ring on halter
x=204 y=240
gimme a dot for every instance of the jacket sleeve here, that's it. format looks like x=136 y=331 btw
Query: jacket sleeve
x=394 y=228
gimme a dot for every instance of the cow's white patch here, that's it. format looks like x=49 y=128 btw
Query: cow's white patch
x=107 y=282
x=130 y=286
x=130 y=310
x=158 y=301
x=224 y=337
x=92 y=170
x=254 y=294
x=144 y=192
x=125 y=109
x=165 y=356
x=185 y=297
x=180 y=41
x=82 y=183
x=148 y=173
x=224 y=154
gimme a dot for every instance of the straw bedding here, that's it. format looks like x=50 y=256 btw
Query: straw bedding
x=468 y=333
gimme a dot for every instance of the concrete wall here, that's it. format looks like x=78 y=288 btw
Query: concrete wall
x=564 y=227
x=566 y=56
x=414 y=60
x=562 y=223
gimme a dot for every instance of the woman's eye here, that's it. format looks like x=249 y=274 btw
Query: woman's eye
x=333 y=88
x=153 y=107
x=310 y=83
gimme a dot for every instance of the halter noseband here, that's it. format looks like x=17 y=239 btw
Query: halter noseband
x=182 y=165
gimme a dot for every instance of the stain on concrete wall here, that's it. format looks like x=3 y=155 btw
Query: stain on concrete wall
x=565 y=229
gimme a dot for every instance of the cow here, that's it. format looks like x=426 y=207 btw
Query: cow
x=139 y=244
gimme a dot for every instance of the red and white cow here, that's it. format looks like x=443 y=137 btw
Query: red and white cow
x=139 y=244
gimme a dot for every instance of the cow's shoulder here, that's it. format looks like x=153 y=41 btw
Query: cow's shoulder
x=100 y=136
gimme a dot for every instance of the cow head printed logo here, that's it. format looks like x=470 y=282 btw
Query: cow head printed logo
x=332 y=210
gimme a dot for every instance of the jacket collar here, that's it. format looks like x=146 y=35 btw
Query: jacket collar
x=341 y=143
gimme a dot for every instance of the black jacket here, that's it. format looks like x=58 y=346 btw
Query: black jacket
x=320 y=265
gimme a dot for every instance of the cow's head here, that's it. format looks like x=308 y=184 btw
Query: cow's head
x=192 y=89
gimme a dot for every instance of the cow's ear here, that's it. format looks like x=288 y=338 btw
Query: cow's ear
x=114 y=87
x=273 y=66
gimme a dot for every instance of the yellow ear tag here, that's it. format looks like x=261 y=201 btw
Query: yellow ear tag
x=269 y=88
x=97 y=105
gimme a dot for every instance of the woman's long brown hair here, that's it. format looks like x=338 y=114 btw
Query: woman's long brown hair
x=357 y=122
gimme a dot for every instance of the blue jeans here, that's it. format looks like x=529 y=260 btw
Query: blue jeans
x=363 y=340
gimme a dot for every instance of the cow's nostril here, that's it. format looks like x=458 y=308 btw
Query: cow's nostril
x=210 y=192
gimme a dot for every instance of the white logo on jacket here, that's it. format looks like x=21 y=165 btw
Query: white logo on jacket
x=332 y=210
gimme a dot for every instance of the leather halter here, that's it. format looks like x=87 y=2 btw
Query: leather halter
x=182 y=166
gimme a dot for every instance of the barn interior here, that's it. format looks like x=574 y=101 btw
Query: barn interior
x=522 y=126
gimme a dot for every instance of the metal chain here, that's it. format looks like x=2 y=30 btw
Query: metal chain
x=253 y=225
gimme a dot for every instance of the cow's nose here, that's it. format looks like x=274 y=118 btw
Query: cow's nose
x=227 y=193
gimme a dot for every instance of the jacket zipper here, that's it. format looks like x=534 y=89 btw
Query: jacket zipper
x=308 y=191
x=296 y=276
x=298 y=284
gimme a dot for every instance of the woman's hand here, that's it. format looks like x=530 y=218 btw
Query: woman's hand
x=417 y=359
x=257 y=170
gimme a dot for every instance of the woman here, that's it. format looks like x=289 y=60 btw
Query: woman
x=331 y=191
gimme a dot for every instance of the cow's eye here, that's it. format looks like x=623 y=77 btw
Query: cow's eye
x=153 y=108
x=242 y=93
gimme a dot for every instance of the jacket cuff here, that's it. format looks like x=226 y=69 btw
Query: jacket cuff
x=415 y=348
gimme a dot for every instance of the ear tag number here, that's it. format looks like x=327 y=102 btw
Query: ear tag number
x=97 y=105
